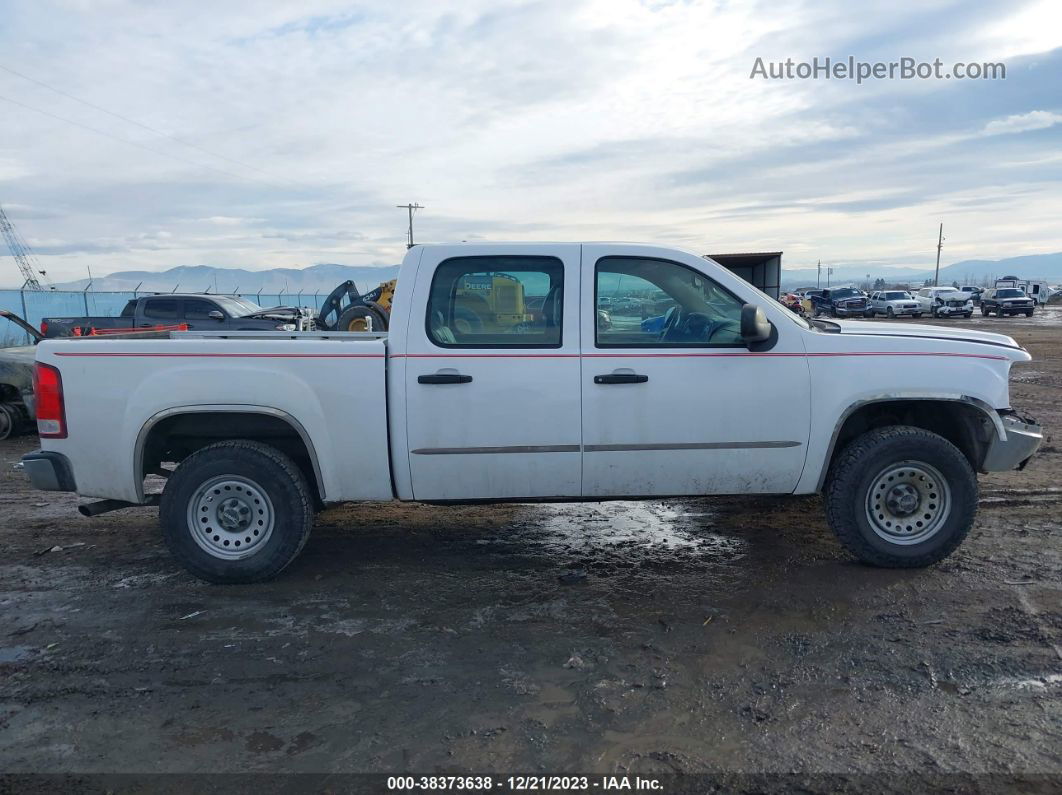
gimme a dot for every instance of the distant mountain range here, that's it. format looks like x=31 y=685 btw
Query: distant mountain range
x=198 y=278
x=1034 y=266
x=324 y=278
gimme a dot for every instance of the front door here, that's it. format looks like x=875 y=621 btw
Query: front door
x=492 y=375
x=674 y=402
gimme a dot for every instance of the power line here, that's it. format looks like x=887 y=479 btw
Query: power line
x=139 y=124
x=106 y=134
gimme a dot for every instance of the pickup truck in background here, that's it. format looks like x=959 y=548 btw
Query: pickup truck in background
x=841 y=302
x=472 y=397
x=196 y=310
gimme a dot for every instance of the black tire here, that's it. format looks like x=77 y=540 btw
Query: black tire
x=276 y=476
x=984 y=311
x=1029 y=313
x=890 y=313
x=917 y=315
x=853 y=474
x=353 y=319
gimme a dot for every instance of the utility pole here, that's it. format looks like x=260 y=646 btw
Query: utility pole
x=818 y=275
x=940 y=243
x=829 y=273
x=410 y=208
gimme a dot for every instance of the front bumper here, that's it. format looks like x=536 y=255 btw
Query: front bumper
x=845 y=311
x=49 y=471
x=1024 y=437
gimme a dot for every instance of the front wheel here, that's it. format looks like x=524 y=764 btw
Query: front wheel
x=917 y=315
x=236 y=512
x=901 y=497
x=890 y=313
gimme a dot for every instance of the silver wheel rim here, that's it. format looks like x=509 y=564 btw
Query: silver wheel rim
x=230 y=517
x=908 y=502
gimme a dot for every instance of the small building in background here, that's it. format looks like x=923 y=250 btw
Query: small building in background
x=761 y=269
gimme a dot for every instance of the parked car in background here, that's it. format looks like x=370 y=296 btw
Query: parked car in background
x=1006 y=301
x=894 y=303
x=841 y=302
x=944 y=302
x=792 y=302
x=197 y=311
x=16 y=373
x=973 y=292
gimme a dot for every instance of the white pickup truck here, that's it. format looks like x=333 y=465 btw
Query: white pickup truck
x=501 y=380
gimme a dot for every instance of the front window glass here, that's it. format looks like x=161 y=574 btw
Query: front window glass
x=198 y=308
x=656 y=303
x=497 y=302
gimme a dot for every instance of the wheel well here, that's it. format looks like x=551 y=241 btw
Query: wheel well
x=174 y=438
x=962 y=424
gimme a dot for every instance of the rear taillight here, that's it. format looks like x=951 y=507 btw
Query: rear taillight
x=44 y=328
x=51 y=409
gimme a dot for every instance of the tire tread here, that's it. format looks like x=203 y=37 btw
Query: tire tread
x=842 y=482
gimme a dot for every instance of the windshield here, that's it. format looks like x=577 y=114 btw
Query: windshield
x=1010 y=293
x=896 y=296
x=844 y=292
x=237 y=307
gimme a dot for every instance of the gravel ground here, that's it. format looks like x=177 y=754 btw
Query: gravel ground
x=722 y=635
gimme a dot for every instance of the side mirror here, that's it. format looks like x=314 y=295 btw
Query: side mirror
x=755 y=327
x=216 y=314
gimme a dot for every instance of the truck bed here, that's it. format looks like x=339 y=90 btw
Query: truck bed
x=330 y=387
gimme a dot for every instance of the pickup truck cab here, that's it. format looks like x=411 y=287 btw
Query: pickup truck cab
x=195 y=310
x=496 y=382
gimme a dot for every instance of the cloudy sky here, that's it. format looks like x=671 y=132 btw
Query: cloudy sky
x=282 y=134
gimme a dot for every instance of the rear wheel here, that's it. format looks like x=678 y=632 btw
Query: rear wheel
x=236 y=512
x=901 y=497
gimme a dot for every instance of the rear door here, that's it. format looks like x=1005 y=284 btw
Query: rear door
x=674 y=402
x=492 y=374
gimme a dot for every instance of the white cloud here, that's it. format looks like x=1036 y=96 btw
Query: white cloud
x=558 y=118
x=1022 y=122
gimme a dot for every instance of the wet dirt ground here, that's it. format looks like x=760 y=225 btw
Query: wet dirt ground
x=692 y=635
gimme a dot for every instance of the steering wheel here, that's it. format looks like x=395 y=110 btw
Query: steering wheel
x=672 y=318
